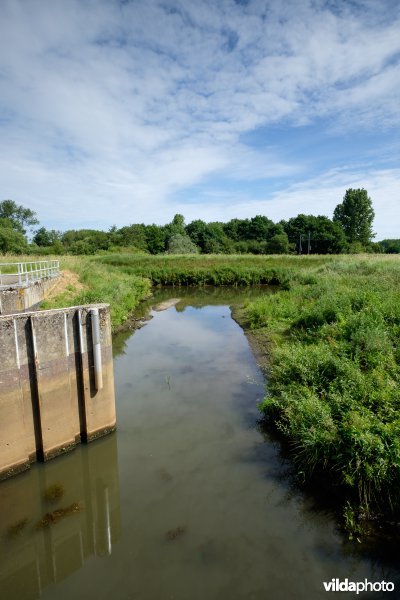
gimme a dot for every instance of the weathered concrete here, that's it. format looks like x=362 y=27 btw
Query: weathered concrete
x=20 y=298
x=48 y=396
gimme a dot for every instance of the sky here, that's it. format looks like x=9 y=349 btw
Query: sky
x=115 y=112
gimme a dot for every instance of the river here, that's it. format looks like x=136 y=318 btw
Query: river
x=189 y=499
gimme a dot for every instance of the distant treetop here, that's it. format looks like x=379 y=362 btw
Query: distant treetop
x=19 y=216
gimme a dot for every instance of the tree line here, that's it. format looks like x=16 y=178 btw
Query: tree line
x=349 y=230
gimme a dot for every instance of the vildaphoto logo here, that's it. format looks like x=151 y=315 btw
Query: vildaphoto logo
x=335 y=585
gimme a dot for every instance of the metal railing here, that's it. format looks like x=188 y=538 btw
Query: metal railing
x=24 y=273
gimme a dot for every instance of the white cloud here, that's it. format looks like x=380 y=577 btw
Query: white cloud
x=318 y=196
x=111 y=108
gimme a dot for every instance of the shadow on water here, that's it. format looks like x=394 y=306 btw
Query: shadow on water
x=317 y=506
x=318 y=499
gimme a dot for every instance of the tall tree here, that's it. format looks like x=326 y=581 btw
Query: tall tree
x=326 y=237
x=19 y=216
x=259 y=228
x=45 y=237
x=156 y=238
x=355 y=214
x=132 y=235
x=11 y=240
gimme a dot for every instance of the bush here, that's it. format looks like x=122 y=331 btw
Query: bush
x=181 y=244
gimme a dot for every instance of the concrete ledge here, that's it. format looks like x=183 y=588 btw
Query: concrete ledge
x=23 y=297
x=49 y=399
x=14 y=470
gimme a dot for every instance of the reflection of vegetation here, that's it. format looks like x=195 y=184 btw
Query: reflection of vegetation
x=352 y=522
x=18 y=527
x=51 y=518
x=54 y=492
x=173 y=534
x=119 y=342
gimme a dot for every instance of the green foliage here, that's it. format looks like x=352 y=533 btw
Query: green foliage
x=390 y=246
x=278 y=244
x=355 y=248
x=12 y=241
x=326 y=237
x=355 y=214
x=177 y=226
x=86 y=241
x=258 y=235
x=44 y=237
x=121 y=290
x=56 y=249
x=181 y=244
x=209 y=237
x=156 y=239
x=203 y=269
x=259 y=228
x=82 y=247
x=19 y=216
x=132 y=235
x=335 y=373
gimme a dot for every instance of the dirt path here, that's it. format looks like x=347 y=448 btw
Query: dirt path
x=67 y=281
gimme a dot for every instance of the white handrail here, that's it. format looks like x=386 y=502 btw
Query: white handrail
x=23 y=273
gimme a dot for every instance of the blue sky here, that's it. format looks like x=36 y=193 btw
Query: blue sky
x=118 y=112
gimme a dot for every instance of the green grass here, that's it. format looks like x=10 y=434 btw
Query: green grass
x=212 y=269
x=334 y=378
x=101 y=284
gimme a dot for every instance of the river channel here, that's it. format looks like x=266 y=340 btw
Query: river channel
x=189 y=499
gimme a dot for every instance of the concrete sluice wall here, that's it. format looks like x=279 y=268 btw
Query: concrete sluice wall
x=20 y=298
x=51 y=395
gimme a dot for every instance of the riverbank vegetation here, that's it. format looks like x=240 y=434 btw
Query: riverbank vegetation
x=334 y=376
x=101 y=284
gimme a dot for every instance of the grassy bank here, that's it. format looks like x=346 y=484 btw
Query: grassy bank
x=100 y=284
x=124 y=280
x=96 y=283
x=334 y=378
x=214 y=269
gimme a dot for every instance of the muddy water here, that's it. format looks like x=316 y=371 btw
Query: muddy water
x=188 y=500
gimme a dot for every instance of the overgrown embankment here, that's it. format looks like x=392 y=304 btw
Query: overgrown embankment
x=101 y=284
x=214 y=269
x=334 y=378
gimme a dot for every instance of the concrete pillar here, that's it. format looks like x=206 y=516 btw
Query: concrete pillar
x=14 y=437
x=99 y=412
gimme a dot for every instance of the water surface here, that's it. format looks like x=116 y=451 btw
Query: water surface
x=188 y=500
